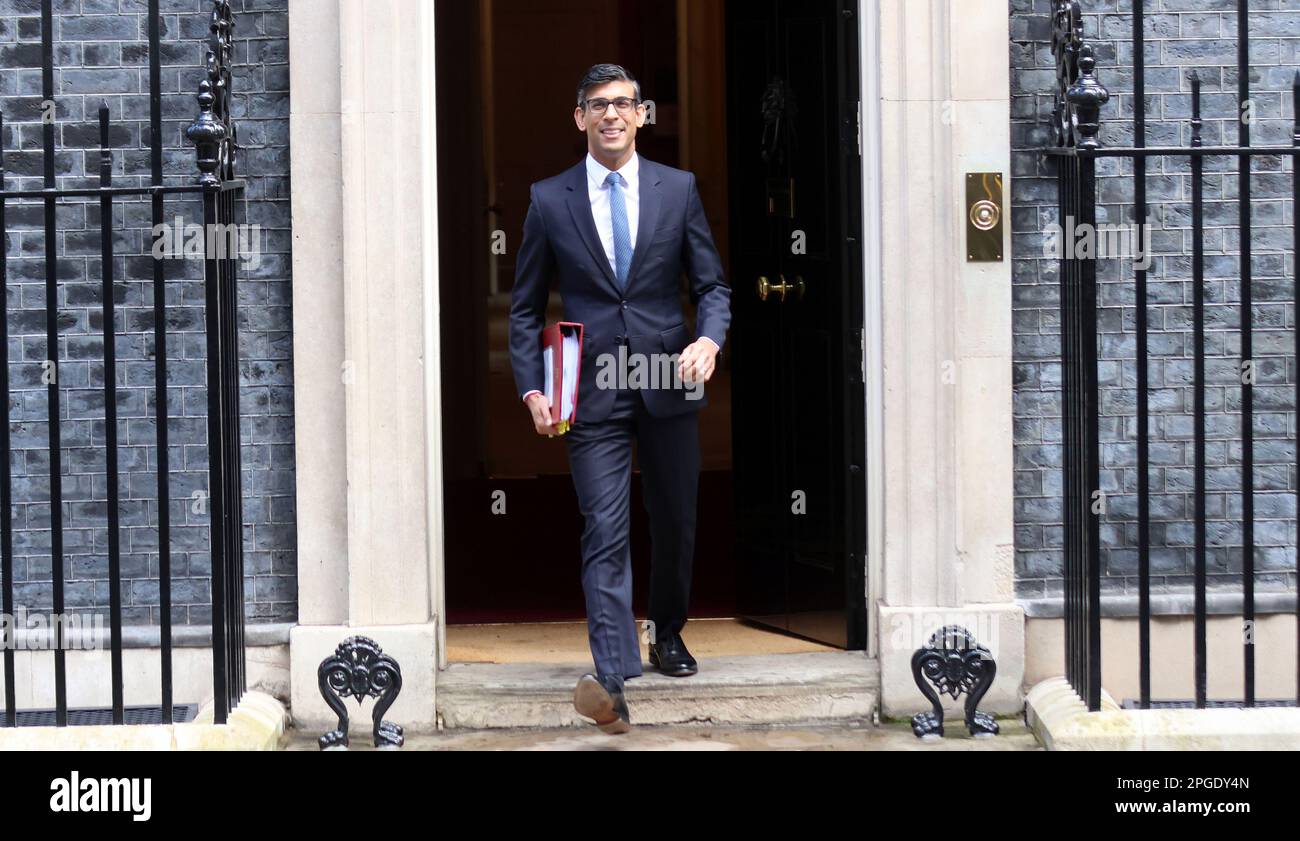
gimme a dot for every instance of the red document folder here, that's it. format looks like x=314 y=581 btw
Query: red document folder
x=562 y=365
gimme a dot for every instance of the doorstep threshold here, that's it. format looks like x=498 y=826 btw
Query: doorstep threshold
x=737 y=689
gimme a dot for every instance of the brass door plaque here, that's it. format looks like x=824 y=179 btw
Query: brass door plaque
x=984 y=217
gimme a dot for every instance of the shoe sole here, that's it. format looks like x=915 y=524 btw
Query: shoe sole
x=685 y=671
x=594 y=701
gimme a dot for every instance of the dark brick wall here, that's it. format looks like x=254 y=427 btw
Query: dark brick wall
x=102 y=57
x=1181 y=35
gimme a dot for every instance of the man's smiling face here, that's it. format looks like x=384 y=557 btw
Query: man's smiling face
x=611 y=136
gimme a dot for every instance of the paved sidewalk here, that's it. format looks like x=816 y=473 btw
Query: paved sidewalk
x=891 y=736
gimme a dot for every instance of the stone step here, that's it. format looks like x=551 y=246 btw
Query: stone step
x=749 y=689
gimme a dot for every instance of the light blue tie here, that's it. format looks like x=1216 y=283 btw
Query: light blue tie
x=622 y=238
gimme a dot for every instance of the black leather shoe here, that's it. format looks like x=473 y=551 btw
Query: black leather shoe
x=669 y=655
x=603 y=703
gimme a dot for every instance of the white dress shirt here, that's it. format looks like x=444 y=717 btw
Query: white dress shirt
x=598 y=193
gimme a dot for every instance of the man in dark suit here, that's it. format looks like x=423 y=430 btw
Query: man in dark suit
x=614 y=234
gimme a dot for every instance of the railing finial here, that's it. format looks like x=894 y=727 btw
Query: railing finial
x=1196 y=109
x=213 y=131
x=1086 y=97
x=1079 y=96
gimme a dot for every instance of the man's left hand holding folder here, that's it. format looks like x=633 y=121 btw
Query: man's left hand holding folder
x=540 y=408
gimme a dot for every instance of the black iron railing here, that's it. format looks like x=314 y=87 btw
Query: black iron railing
x=1080 y=98
x=213 y=134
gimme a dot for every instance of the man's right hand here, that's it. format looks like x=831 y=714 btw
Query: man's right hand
x=540 y=408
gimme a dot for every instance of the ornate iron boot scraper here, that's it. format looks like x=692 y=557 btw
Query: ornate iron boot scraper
x=955 y=663
x=360 y=669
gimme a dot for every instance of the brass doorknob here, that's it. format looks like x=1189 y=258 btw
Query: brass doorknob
x=767 y=287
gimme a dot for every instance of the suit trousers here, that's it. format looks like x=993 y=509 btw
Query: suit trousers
x=600 y=458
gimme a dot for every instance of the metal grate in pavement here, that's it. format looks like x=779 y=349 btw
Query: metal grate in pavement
x=181 y=713
x=1132 y=704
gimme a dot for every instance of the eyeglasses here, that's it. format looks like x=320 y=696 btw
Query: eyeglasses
x=622 y=104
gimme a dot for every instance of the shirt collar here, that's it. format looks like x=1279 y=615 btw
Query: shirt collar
x=598 y=173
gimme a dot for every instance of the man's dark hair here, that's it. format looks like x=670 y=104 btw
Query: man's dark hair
x=599 y=74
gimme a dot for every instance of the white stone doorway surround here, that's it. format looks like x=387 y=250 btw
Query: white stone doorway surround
x=367 y=388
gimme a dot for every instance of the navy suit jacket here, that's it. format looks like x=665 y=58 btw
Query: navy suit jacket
x=561 y=246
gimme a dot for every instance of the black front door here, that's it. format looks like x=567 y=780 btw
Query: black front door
x=798 y=405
